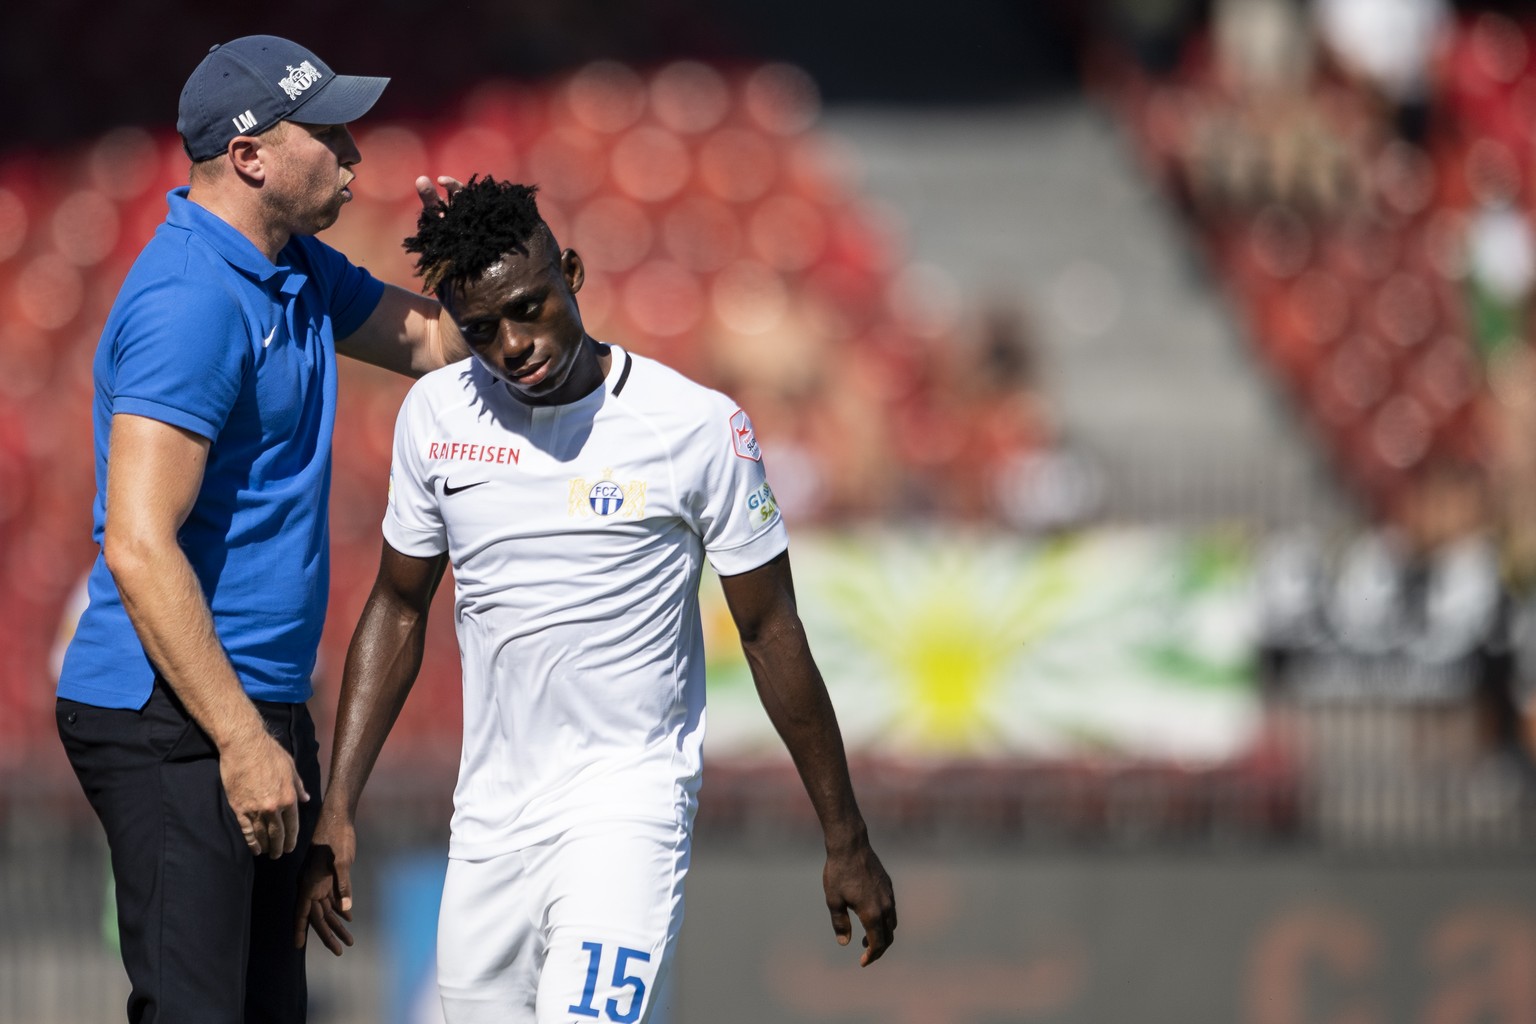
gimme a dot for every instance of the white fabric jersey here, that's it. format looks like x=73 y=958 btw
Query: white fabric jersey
x=577 y=534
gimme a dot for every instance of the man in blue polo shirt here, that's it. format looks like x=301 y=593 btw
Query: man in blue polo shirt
x=182 y=695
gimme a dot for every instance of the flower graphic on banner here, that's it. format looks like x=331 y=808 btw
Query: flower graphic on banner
x=1130 y=643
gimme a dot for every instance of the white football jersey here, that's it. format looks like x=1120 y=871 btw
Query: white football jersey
x=577 y=535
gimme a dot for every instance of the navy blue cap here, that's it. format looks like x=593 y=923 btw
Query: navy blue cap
x=246 y=86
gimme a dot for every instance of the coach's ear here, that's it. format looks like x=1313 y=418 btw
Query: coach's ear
x=574 y=271
x=245 y=156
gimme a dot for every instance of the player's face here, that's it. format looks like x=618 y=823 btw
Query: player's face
x=521 y=321
x=311 y=169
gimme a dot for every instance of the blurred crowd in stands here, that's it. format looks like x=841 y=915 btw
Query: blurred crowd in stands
x=722 y=233
x=1362 y=175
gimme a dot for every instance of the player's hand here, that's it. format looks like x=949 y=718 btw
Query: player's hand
x=325 y=886
x=264 y=790
x=854 y=879
x=427 y=190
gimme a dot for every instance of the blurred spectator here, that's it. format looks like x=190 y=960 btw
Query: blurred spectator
x=1262 y=47
x=1007 y=416
x=1509 y=413
x=1388 y=47
x=1012 y=465
x=1501 y=248
x=918 y=427
x=1264 y=127
x=1053 y=489
x=1290 y=585
x=1416 y=614
x=1306 y=151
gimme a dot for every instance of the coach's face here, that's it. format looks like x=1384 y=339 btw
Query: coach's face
x=311 y=173
x=521 y=321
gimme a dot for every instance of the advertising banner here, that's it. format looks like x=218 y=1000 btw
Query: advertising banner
x=1117 y=643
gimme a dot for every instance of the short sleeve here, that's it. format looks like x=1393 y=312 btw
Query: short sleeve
x=186 y=370
x=739 y=518
x=413 y=521
x=351 y=293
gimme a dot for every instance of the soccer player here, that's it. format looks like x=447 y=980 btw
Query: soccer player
x=576 y=487
x=182 y=694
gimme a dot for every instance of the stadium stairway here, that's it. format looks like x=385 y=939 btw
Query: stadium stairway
x=1041 y=210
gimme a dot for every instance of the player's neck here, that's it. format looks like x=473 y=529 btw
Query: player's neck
x=589 y=374
x=602 y=356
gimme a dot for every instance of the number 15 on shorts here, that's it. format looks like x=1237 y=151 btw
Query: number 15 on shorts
x=622 y=979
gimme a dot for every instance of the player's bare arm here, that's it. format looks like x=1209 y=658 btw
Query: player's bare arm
x=762 y=603
x=154 y=472
x=382 y=663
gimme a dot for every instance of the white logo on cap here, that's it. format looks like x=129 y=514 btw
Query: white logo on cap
x=299 y=78
x=244 y=122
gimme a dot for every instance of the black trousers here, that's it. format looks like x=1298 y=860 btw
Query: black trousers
x=206 y=926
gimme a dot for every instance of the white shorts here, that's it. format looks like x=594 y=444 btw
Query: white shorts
x=577 y=929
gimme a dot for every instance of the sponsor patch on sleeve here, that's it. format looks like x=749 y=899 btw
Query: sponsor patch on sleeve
x=761 y=506
x=742 y=437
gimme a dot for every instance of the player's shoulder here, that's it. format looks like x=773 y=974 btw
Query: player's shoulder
x=448 y=387
x=694 y=416
x=654 y=387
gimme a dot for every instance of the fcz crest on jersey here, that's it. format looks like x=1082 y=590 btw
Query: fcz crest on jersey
x=606 y=499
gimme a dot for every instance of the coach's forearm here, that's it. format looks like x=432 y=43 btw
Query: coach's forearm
x=165 y=603
x=407 y=333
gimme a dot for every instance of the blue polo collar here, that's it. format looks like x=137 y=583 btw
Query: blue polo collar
x=236 y=250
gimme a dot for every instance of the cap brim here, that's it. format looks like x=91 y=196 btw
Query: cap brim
x=345 y=98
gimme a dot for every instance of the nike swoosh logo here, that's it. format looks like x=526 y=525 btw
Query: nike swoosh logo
x=270 y=335
x=450 y=489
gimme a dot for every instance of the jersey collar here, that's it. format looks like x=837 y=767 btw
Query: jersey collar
x=618 y=370
x=235 y=249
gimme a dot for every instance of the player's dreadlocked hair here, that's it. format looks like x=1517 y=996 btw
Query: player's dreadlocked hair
x=480 y=224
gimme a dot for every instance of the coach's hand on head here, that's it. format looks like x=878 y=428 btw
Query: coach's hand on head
x=427 y=190
x=264 y=790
